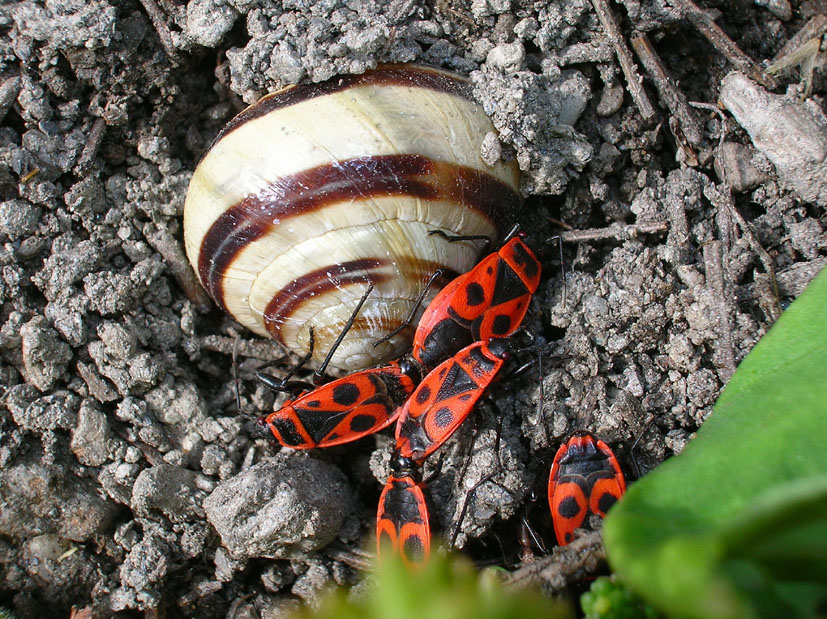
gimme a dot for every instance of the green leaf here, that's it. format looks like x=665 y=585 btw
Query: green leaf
x=608 y=599
x=736 y=526
x=447 y=588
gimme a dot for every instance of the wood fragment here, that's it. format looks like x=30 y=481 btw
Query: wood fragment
x=90 y=149
x=721 y=198
x=720 y=41
x=815 y=28
x=259 y=348
x=584 y=554
x=29 y=175
x=789 y=132
x=713 y=265
x=619 y=233
x=689 y=127
x=177 y=263
x=158 y=18
x=624 y=56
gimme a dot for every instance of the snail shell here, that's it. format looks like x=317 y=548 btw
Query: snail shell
x=314 y=192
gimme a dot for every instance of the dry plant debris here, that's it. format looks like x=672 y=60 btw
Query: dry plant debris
x=127 y=478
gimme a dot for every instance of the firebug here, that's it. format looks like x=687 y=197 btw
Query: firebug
x=447 y=395
x=343 y=410
x=488 y=301
x=402 y=518
x=585 y=479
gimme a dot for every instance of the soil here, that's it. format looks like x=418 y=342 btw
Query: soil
x=129 y=483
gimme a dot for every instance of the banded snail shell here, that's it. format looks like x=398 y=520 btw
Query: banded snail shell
x=315 y=191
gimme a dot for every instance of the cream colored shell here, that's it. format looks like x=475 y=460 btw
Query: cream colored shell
x=315 y=191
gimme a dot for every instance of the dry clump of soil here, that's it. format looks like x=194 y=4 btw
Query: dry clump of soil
x=127 y=480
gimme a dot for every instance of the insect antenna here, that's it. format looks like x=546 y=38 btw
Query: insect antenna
x=285 y=384
x=487 y=478
x=438 y=273
x=296 y=386
x=632 y=457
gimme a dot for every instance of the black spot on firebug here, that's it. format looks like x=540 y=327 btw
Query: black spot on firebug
x=423 y=394
x=361 y=423
x=414 y=549
x=474 y=294
x=345 y=394
x=569 y=507
x=502 y=324
x=444 y=417
x=605 y=501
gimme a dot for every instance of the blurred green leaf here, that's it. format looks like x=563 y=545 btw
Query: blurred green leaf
x=608 y=599
x=736 y=526
x=448 y=588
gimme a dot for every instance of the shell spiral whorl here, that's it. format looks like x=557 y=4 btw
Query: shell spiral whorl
x=315 y=191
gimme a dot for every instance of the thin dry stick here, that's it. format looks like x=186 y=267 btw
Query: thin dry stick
x=93 y=144
x=716 y=110
x=555 y=570
x=669 y=93
x=257 y=348
x=158 y=18
x=624 y=56
x=814 y=28
x=722 y=199
x=713 y=33
x=713 y=265
x=620 y=233
x=176 y=261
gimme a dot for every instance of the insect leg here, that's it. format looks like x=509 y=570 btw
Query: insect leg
x=285 y=384
x=455 y=238
x=319 y=375
x=488 y=478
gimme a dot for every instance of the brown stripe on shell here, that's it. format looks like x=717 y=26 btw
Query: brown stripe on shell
x=478 y=190
x=358 y=178
x=321 y=281
x=386 y=75
x=252 y=218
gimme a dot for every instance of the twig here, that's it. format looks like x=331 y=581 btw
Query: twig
x=814 y=28
x=256 y=348
x=554 y=571
x=723 y=201
x=716 y=110
x=177 y=263
x=688 y=125
x=624 y=56
x=93 y=144
x=713 y=265
x=720 y=41
x=158 y=18
x=620 y=233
